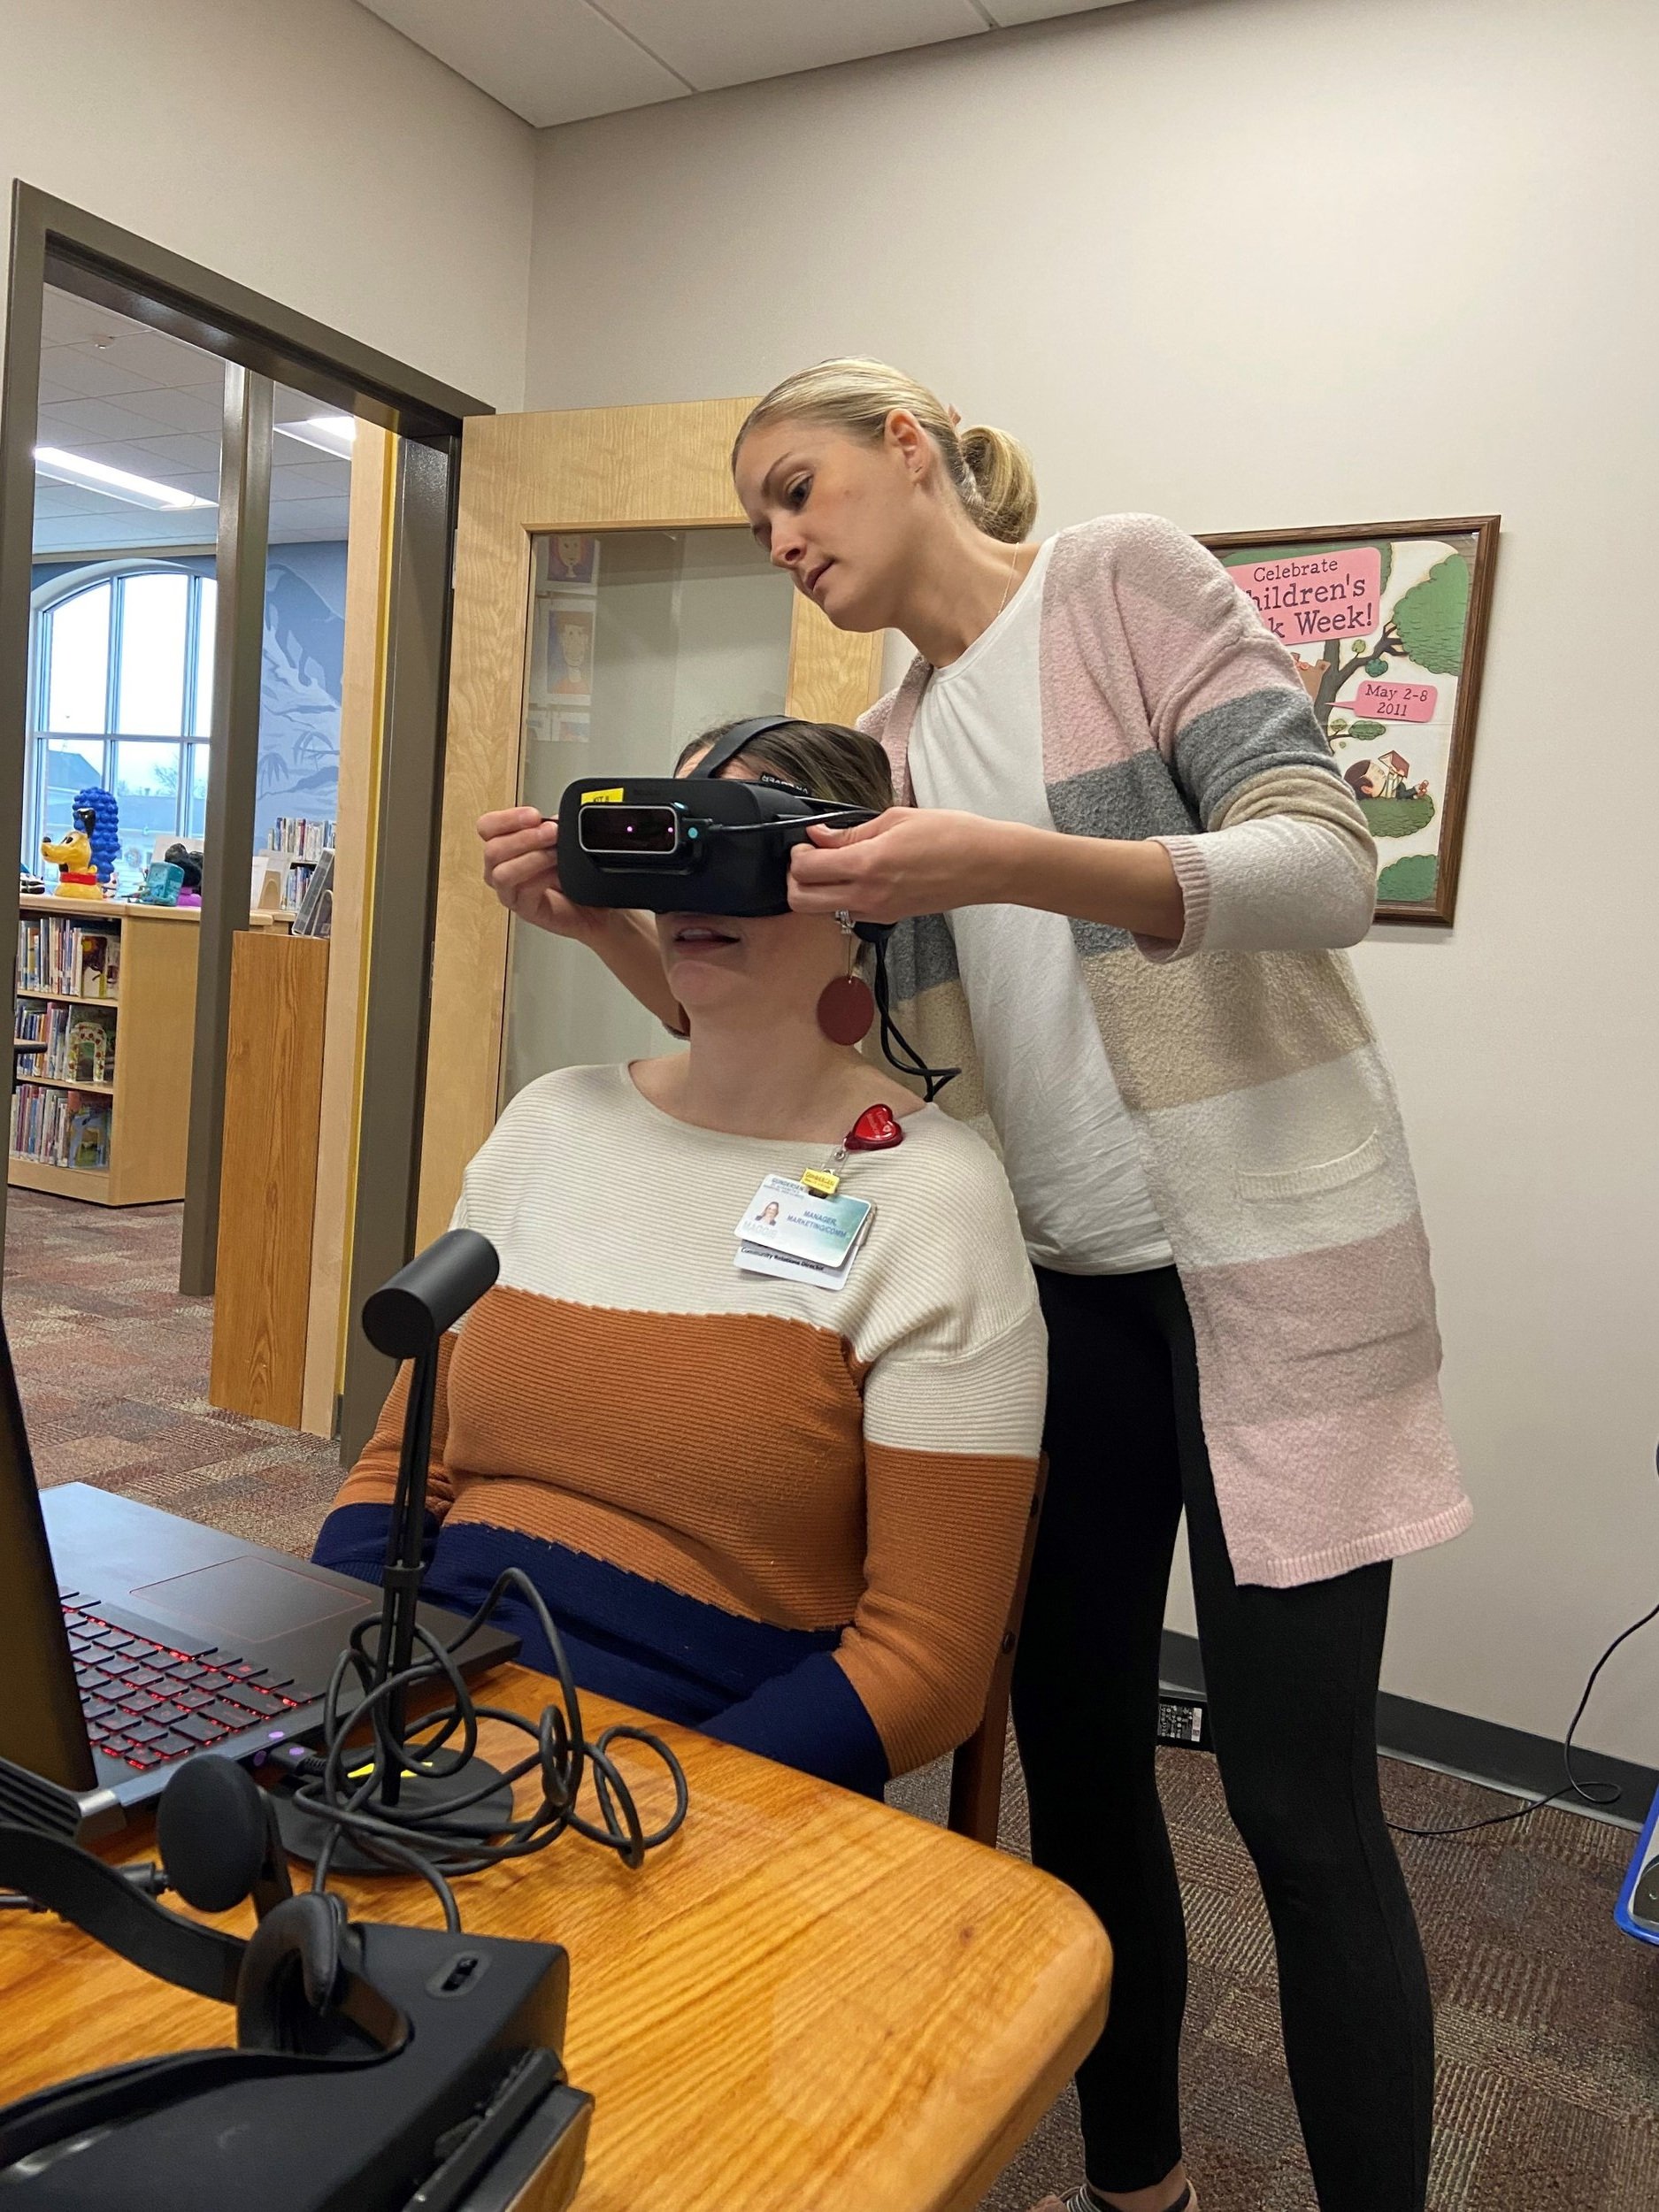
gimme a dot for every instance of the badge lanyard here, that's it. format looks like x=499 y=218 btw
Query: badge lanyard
x=876 y=1129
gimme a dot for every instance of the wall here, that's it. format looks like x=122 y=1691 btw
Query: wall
x=1267 y=265
x=307 y=151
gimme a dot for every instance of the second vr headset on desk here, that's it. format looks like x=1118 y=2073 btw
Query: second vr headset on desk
x=707 y=844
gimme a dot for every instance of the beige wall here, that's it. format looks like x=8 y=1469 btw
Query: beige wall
x=1288 y=262
x=306 y=150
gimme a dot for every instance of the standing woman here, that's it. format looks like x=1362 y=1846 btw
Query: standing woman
x=1121 y=863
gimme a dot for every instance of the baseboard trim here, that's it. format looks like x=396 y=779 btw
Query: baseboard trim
x=1501 y=1758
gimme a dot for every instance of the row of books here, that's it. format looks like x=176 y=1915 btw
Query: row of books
x=296 y=883
x=299 y=840
x=74 y=1047
x=60 y=1128
x=55 y=954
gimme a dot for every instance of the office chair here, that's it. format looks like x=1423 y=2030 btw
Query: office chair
x=976 y=1771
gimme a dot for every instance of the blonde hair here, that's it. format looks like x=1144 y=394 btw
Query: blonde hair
x=990 y=473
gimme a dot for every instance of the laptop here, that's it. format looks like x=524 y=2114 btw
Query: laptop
x=131 y=1639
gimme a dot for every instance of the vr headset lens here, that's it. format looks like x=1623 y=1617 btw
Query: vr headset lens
x=629 y=829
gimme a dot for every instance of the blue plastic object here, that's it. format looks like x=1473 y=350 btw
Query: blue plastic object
x=1643 y=1877
x=104 y=837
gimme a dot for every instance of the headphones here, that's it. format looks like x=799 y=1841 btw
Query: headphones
x=375 y=2065
x=296 y=1983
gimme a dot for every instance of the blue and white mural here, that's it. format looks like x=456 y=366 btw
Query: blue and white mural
x=300 y=684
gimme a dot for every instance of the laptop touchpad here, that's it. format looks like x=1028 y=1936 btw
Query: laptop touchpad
x=250 y=1599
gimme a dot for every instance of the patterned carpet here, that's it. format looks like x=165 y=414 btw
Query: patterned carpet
x=112 y=1370
x=1548 y=2016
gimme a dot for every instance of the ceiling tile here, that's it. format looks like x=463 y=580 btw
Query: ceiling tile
x=196 y=408
x=72 y=422
x=1008 y=12
x=87 y=374
x=739 y=42
x=162 y=456
x=550 y=61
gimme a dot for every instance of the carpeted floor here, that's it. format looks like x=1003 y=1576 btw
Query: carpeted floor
x=1548 y=2016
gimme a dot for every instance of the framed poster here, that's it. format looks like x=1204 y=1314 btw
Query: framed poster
x=1387 y=623
x=563 y=613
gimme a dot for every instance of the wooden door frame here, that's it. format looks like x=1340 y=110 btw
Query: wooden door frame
x=663 y=467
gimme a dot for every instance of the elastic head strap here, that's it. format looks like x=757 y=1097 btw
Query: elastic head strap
x=741 y=734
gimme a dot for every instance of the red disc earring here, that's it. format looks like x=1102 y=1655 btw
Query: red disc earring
x=847 y=1006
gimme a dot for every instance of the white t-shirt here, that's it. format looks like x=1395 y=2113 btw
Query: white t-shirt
x=1067 y=1143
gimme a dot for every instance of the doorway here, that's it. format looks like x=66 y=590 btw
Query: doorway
x=225 y=546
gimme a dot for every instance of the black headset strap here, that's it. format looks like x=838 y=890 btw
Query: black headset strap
x=740 y=735
x=69 y=2108
x=101 y=1900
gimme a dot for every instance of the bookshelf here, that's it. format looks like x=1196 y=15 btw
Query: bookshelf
x=104 y=1123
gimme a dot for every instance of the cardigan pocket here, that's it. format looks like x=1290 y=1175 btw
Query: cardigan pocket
x=1316 y=1179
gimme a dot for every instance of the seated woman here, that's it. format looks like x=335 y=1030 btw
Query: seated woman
x=787 y=1515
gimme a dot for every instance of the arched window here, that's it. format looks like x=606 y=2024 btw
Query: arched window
x=121 y=695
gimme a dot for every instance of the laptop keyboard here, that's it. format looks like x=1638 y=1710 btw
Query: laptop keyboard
x=146 y=1704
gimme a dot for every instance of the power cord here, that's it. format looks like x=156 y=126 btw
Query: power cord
x=1600 y=1795
x=343 y=1785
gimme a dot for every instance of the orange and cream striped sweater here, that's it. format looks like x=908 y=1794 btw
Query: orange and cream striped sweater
x=787 y=1515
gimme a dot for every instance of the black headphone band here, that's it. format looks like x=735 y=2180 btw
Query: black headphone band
x=740 y=735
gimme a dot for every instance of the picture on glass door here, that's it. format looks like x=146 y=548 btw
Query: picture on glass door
x=561 y=662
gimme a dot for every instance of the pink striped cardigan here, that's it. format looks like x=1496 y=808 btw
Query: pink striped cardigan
x=1266 y=1113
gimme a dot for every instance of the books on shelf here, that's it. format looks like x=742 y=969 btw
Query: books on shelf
x=76 y=959
x=299 y=840
x=74 y=1048
x=60 y=1128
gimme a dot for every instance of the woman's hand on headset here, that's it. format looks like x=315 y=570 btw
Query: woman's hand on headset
x=911 y=860
x=521 y=866
x=929 y=860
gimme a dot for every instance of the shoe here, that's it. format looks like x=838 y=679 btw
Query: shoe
x=1082 y=2200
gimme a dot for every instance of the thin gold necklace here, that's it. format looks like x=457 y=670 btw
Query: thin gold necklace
x=1012 y=566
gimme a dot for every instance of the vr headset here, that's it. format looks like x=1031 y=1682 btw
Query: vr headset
x=695 y=844
x=707 y=844
x=375 y=2068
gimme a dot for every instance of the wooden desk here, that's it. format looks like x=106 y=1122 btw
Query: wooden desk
x=804 y=2003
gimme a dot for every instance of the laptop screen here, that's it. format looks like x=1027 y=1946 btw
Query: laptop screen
x=41 y=1727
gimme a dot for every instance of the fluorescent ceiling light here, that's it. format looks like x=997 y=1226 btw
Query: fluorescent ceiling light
x=329 y=433
x=138 y=491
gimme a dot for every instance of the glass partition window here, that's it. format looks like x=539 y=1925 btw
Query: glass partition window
x=122 y=696
x=639 y=641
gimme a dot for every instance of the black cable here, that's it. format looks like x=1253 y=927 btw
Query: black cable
x=895 y=1043
x=1600 y=1795
x=344 y=1785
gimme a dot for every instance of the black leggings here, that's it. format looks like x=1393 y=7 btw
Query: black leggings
x=1292 y=1679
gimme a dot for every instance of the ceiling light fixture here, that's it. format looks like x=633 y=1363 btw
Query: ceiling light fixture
x=330 y=433
x=137 y=491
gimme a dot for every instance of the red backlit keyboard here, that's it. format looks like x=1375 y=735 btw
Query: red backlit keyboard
x=146 y=1704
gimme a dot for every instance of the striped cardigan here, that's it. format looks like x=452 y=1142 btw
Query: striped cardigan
x=1264 y=1111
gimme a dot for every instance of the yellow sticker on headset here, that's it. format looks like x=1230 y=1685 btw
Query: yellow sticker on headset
x=602 y=798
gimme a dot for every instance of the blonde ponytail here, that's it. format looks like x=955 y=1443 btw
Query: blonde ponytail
x=1004 y=480
x=990 y=473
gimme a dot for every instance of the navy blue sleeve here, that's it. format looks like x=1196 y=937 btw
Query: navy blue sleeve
x=812 y=1718
x=352 y=1541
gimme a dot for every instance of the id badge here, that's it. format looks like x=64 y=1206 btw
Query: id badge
x=792 y=1231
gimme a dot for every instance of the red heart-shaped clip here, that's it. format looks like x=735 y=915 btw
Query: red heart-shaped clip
x=874 y=1131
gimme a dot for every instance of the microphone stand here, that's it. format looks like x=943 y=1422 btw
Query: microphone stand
x=407 y=1319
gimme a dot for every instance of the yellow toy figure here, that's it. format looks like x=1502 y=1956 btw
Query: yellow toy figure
x=71 y=856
